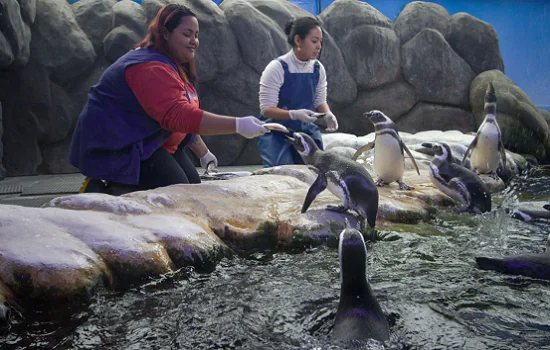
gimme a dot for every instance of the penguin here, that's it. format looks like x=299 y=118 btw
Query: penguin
x=359 y=315
x=487 y=144
x=525 y=214
x=389 y=162
x=457 y=182
x=345 y=178
x=536 y=265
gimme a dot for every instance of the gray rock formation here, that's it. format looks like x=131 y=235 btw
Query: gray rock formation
x=418 y=15
x=96 y=20
x=476 y=42
x=437 y=73
x=15 y=33
x=418 y=70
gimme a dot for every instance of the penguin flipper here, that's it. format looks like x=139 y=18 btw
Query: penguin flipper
x=502 y=152
x=316 y=187
x=470 y=148
x=462 y=193
x=410 y=155
x=365 y=148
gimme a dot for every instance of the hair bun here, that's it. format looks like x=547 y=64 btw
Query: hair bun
x=288 y=25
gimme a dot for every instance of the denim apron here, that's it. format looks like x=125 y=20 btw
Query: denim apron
x=297 y=92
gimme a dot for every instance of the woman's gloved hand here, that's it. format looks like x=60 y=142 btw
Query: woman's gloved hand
x=250 y=127
x=208 y=158
x=304 y=115
x=332 y=123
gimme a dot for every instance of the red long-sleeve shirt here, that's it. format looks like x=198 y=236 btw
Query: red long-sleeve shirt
x=162 y=94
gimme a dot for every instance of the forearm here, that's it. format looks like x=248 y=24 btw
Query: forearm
x=198 y=147
x=323 y=108
x=215 y=124
x=276 y=113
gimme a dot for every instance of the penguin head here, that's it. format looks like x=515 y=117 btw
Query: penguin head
x=352 y=252
x=490 y=96
x=377 y=117
x=303 y=143
x=442 y=151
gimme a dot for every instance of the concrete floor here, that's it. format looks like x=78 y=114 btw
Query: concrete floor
x=35 y=191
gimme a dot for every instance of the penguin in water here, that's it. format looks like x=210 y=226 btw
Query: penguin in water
x=532 y=265
x=527 y=215
x=359 y=315
x=345 y=178
x=457 y=182
x=389 y=160
x=487 y=144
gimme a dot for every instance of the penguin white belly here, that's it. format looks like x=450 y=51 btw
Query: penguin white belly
x=338 y=191
x=485 y=155
x=388 y=158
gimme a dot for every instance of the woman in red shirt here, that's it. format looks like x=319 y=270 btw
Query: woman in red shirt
x=145 y=110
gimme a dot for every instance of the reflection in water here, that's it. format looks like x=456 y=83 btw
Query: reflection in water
x=427 y=284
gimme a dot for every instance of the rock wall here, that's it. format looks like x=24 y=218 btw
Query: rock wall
x=422 y=70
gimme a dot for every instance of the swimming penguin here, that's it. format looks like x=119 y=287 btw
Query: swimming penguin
x=532 y=265
x=389 y=162
x=457 y=182
x=487 y=144
x=347 y=179
x=525 y=214
x=359 y=315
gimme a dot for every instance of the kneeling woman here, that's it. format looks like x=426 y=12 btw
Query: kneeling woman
x=292 y=87
x=144 y=110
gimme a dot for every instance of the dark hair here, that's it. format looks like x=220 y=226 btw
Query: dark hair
x=167 y=19
x=301 y=27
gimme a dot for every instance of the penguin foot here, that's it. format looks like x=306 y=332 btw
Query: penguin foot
x=404 y=186
x=379 y=183
x=337 y=208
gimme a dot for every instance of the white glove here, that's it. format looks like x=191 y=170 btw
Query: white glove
x=304 y=115
x=208 y=158
x=250 y=127
x=332 y=123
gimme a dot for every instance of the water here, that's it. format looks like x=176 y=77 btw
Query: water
x=426 y=282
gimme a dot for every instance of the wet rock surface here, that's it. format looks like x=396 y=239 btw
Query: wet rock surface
x=76 y=243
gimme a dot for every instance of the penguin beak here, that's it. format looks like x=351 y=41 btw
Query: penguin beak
x=290 y=139
x=427 y=145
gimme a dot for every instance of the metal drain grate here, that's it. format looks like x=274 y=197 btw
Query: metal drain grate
x=54 y=185
x=11 y=189
x=34 y=201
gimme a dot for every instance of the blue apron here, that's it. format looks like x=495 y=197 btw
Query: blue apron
x=297 y=92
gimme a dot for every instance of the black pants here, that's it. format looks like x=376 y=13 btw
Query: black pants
x=159 y=170
x=165 y=169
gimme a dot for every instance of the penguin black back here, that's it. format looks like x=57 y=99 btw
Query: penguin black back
x=359 y=315
x=456 y=181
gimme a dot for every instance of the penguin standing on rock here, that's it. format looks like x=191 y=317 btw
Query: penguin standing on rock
x=487 y=144
x=345 y=178
x=457 y=182
x=389 y=161
x=359 y=315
